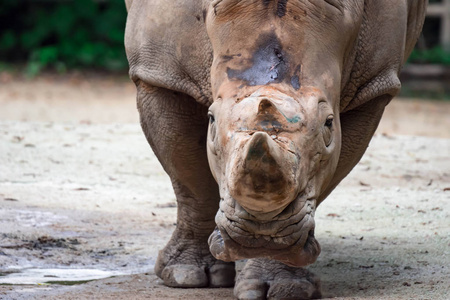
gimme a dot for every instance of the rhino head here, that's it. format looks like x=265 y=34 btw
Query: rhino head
x=274 y=132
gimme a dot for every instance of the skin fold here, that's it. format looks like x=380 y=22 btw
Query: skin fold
x=257 y=109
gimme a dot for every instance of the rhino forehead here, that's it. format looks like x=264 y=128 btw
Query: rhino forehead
x=269 y=63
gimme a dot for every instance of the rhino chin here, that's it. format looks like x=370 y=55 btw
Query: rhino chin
x=223 y=247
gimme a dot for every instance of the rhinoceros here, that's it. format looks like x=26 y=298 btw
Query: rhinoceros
x=257 y=109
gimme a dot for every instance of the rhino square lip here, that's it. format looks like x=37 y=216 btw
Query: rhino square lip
x=238 y=235
x=224 y=248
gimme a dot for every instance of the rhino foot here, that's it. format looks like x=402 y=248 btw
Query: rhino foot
x=269 y=279
x=187 y=265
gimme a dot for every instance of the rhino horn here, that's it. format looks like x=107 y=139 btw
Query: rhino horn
x=264 y=184
x=262 y=157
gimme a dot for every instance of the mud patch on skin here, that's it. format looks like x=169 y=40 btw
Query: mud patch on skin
x=269 y=64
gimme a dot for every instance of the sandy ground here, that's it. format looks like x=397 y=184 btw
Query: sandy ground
x=82 y=195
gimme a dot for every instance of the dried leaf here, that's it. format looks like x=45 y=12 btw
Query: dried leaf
x=10 y=199
x=333 y=215
x=366 y=267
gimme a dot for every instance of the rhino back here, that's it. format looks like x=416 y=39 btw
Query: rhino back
x=167 y=46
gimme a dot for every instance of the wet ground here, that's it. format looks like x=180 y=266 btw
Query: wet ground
x=82 y=197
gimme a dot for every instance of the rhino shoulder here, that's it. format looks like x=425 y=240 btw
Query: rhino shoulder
x=387 y=35
x=167 y=46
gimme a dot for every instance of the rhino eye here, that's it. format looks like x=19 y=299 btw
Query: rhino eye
x=212 y=126
x=327 y=131
x=211 y=117
x=329 y=122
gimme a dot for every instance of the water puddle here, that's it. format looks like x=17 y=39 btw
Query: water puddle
x=54 y=276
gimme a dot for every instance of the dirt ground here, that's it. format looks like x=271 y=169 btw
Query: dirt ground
x=82 y=197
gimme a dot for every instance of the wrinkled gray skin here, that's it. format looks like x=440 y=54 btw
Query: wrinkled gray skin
x=257 y=109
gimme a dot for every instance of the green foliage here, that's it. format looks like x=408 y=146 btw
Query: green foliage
x=68 y=34
x=63 y=34
x=436 y=55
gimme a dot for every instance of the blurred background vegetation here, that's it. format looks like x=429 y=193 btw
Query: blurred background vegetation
x=61 y=35
x=433 y=47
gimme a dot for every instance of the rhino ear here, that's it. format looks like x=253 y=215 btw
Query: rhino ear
x=388 y=33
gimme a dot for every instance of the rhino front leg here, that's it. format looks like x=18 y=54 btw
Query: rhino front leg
x=176 y=126
x=269 y=279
